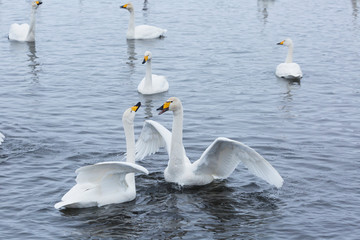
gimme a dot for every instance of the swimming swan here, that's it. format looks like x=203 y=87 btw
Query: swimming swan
x=218 y=161
x=141 y=31
x=288 y=69
x=151 y=83
x=107 y=182
x=2 y=137
x=24 y=32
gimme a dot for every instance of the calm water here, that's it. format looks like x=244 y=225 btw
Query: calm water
x=62 y=99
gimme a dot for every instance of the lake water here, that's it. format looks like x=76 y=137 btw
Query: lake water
x=62 y=99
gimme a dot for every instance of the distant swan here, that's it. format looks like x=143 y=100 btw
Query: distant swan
x=151 y=83
x=288 y=69
x=218 y=161
x=141 y=31
x=2 y=137
x=24 y=32
x=107 y=182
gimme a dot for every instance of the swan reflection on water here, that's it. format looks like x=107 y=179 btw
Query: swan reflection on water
x=132 y=60
x=28 y=48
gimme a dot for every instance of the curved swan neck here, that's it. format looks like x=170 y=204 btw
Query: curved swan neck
x=148 y=75
x=289 y=57
x=131 y=28
x=31 y=34
x=177 y=148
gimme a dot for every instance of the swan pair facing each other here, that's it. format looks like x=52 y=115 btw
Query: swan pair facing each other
x=151 y=83
x=2 y=137
x=114 y=182
x=25 y=32
x=141 y=31
x=107 y=182
x=288 y=69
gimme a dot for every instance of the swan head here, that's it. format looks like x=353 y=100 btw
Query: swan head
x=172 y=104
x=147 y=56
x=287 y=42
x=129 y=113
x=128 y=6
x=35 y=4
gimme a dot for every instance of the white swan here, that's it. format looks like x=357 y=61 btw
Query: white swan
x=24 y=32
x=107 y=182
x=2 y=137
x=288 y=69
x=141 y=31
x=151 y=83
x=218 y=161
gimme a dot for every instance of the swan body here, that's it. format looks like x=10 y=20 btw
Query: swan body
x=2 y=137
x=217 y=162
x=151 y=83
x=141 y=31
x=107 y=182
x=288 y=69
x=25 y=32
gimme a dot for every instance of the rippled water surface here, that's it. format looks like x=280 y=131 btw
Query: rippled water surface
x=62 y=99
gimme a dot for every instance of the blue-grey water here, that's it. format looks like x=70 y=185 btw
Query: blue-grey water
x=62 y=99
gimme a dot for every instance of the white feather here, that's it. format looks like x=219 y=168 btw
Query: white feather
x=2 y=137
x=141 y=31
x=106 y=182
x=218 y=161
x=151 y=83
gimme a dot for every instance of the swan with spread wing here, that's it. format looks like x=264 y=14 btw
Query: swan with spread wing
x=217 y=162
x=107 y=182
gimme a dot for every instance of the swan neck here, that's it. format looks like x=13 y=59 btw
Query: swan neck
x=131 y=28
x=177 y=148
x=130 y=150
x=31 y=33
x=130 y=141
x=148 y=76
x=289 y=57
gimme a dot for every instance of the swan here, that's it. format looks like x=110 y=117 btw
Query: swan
x=141 y=31
x=24 y=32
x=217 y=162
x=288 y=69
x=2 y=137
x=107 y=182
x=151 y=83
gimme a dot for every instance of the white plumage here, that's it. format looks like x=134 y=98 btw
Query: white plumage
x=288 y=69
x=107 y=182
x=2 y=137
x=218 y=161
x=25 y=32
x=151 y=83
x=141 y=31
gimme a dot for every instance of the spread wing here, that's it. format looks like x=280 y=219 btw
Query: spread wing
x=97 y=182
x=153 y=136
x=223 y=155
x=96 y=173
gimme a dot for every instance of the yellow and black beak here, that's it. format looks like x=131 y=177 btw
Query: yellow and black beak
x=164 y=107
x=38 y=3
x=136 y=107
x=281 y=43
x=124 y=6
x=145 y=59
